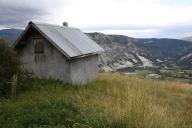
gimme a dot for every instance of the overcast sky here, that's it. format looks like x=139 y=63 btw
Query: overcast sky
x=136 y=18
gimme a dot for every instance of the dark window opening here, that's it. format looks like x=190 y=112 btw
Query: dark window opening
x=39 y=46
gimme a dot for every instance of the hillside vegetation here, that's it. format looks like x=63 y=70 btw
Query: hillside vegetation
x=112 y=101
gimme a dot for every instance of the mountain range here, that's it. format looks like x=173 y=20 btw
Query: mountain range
x=10 y=35
x=122 y=52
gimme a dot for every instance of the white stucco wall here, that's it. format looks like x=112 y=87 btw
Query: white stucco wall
x=51 y=64
x=84 y=69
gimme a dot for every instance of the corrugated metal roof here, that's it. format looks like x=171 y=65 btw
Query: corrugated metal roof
x=71 y=41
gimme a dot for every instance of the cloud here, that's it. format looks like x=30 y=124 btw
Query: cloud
x=84 y=13
x=18 y=13
x=139 y=18
x=18 y=17
x=170 y=31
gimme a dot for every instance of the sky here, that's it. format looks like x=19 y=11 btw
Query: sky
x=134 y=18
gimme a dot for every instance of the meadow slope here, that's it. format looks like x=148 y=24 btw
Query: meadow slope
x=113 y=101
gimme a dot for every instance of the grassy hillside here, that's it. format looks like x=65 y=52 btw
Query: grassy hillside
x=112 y=101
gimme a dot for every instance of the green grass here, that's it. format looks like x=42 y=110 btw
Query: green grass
x=112 y=101
x=144 y=72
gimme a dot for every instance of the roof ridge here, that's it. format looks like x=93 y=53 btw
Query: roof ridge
x=54 y=25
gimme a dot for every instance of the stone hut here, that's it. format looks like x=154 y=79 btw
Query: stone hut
x=58 y=52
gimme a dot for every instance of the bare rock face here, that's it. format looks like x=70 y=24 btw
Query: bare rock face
x=186 y=59
x=123 y=52
x=120 y=52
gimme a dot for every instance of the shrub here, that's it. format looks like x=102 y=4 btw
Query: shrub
x=9 y=67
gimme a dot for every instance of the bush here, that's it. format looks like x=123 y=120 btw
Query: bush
x=25 y=81
x=9 y=67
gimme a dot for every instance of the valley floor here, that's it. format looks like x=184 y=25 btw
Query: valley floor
x=113 y=101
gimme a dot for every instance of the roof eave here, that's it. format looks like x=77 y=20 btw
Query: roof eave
x=84 y=55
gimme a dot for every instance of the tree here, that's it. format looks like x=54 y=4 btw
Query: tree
x=9 y=66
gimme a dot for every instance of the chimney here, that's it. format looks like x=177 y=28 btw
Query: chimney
x=65 y=24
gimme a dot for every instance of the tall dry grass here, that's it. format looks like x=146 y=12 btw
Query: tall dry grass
x=112 y=101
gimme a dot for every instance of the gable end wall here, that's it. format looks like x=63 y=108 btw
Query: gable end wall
x=50 y=64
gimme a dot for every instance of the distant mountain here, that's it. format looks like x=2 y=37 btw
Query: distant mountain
x=185 y=60
x=122 y=51
x=10 y=35
x=165 y=49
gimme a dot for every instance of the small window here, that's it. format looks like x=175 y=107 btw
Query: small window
x=39 y=46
